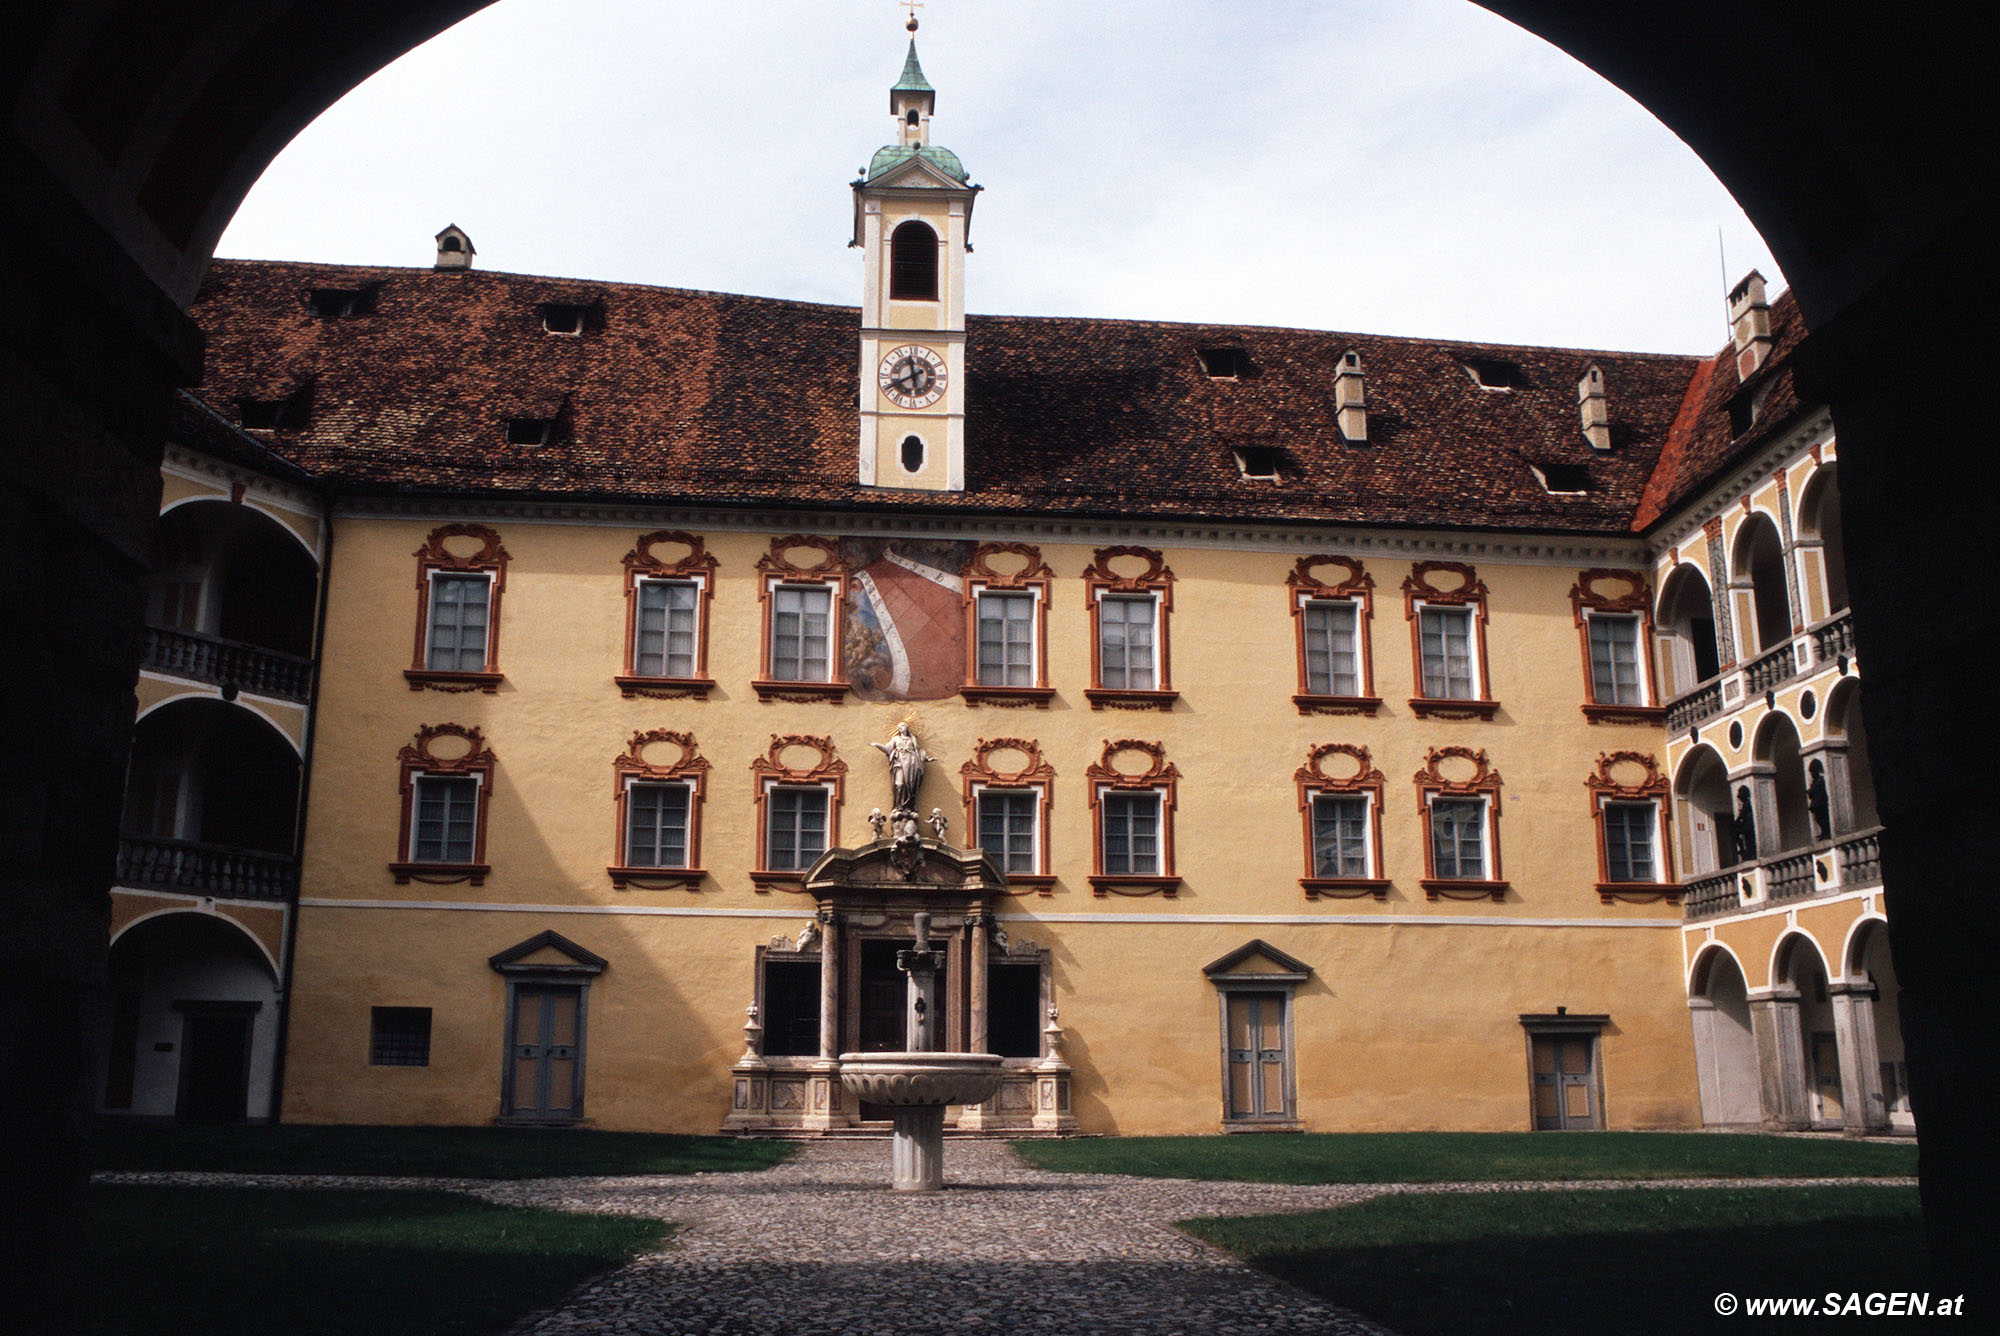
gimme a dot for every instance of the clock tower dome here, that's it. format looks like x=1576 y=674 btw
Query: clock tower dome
x=912 y=215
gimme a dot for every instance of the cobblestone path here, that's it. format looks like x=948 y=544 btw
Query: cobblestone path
x=821 y=1247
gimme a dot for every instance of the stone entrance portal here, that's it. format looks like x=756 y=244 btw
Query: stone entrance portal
x=864 y=905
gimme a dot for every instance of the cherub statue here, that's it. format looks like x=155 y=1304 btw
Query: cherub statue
x=938 y=823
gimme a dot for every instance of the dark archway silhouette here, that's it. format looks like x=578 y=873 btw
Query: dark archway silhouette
x=1862 y=146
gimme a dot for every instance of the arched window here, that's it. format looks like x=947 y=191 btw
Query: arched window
x=913 y=264
x=1819 y=517
x=1687 y=628
x=913 y=454
x=1778 y=747
x=1707 y=827
x=1760 y=563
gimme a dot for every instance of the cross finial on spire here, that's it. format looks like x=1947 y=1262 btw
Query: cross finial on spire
x=913 y=6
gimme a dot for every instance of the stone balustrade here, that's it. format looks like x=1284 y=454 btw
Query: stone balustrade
x=251 y=668
x=207 y=869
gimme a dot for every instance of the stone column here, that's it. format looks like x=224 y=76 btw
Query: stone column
x=829 y=984
x=1781 y=1070
x=976 y=976
x=1862 y=1107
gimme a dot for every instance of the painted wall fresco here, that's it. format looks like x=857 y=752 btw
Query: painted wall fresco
x=905 y=620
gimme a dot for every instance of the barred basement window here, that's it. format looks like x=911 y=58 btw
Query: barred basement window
x=399 y=1036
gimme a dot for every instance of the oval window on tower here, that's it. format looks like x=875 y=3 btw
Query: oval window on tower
x=913 y=454
x=913 y=262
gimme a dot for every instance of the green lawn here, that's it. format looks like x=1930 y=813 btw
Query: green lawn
x=254 y=1262
x=1651 y=1260
x=1448 y=1157
x=445 y=1152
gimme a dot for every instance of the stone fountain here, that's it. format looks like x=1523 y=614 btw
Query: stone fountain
x=919 y=1082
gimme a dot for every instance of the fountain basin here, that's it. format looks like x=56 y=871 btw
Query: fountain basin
x=904 y=1079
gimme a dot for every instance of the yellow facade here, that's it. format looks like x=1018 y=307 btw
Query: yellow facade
x=1400 y=986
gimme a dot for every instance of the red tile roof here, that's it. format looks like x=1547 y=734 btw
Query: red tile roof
x=703 y=397
x=1704 y=441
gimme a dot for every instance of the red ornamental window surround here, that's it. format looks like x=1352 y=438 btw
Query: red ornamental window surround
x=692 y=568
x=1032 y=775
x=1137 y=578
x=1460 y=775
x=1119 y=810
x=436 y=767
x=1630 y=780
x=1341 y=770
x=1449 y=587
x=1595 y=594
x=795 y=761
x=451 y=554
x=1020 y=574
x=1311 y=592
x=687 y=770
x=785 y=574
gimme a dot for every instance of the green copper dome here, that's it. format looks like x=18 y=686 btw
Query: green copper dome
x=890 y=156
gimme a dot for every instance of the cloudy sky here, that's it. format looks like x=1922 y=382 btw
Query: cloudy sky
x=1387 y=166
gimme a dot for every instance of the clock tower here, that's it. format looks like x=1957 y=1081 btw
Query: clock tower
x=912 y=215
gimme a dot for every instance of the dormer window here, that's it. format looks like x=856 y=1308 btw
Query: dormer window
x=1562 y=479
x=1257 y=462
x=1492 y=373
x=530 y=430
x=565 y=318
x=287 y=413
x=913 y=264
x=1224 y=363
x=338 y=303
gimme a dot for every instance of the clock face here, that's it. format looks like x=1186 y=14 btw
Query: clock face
x=912 y=376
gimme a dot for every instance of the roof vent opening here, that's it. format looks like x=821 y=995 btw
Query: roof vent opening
x=1594 y=408
x=286 y=412
x=1562 y=479
x=1494 y=373
x=454 y=248
x=1350 y=400
x=566 y=318
x=339 y=303
x=1257 y=463
x=1224 y=363
x=530 y=430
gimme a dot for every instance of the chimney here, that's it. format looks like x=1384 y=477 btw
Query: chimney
x=1749 y=325
x=1596 y=413
x=454 y=248
x=1350 y=400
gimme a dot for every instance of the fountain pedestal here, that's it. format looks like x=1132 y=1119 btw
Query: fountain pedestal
x=916 y=1087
